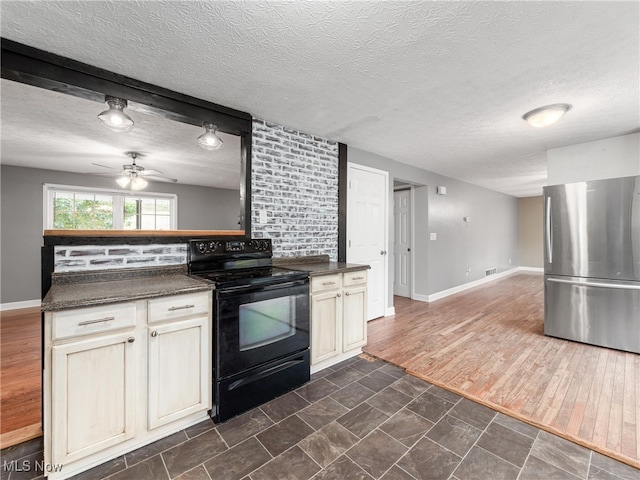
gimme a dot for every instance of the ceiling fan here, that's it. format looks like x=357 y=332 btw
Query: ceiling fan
x=134 y=175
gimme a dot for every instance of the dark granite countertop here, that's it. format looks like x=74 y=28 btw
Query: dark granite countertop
x=70 y=291
x=317 y=265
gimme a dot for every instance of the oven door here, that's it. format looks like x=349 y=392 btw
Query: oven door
x=258 y=324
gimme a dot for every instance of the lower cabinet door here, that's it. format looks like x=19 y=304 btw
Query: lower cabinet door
x=326 y=326
x=180 y=376
x=93 y=395
x=354 y=318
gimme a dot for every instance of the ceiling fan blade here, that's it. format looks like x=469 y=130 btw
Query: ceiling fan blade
x=156 y=178
x=103 y=166
x=151 y=171
x=114 y=174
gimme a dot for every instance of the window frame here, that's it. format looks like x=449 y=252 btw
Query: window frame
x=118 y=196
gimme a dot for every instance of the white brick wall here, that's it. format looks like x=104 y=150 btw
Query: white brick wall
x=295 y=180
x=100 y=257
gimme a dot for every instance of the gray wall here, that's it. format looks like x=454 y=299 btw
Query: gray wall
x=489 y=240
x=21 y=219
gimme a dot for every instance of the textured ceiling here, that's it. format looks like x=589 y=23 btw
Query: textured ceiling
x=46 y=129
x=439 y=85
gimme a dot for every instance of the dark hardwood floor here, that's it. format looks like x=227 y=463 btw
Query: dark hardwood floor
x=487 y=344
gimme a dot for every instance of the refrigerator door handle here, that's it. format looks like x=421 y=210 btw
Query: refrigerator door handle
x=595 y=284
x=549 y=239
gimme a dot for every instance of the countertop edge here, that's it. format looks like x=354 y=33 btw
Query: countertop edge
x=56 y=306
x=321 y=269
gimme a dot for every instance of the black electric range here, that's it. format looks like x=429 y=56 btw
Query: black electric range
x=261 y=323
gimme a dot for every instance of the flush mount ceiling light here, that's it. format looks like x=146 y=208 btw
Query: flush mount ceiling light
x=547 y=115
x=209 y=140
x=115 y=119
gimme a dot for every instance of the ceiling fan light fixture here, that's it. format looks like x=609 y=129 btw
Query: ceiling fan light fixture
x=138 y=183
x=123 y=181
x=114 y=118
x=209 y=140
x=547 y=115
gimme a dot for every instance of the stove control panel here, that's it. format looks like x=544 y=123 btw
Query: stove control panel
x=212 y=248
x=236 y=246
x=260 y=245
x=206 y=247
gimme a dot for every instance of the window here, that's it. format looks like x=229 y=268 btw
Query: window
x=85 y=208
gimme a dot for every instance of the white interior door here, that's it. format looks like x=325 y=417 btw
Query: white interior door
x=402 y=243
x=367 y=242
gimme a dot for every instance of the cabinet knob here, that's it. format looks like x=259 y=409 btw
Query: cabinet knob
x=131 y=339
x=383 y=252
x=154 y=334
x=338 y=295
x=346 y=293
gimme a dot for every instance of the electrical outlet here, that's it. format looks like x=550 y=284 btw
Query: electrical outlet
x=468 y=271
x=509 y=261
x=433 y=236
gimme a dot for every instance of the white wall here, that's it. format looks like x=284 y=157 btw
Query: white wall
x=609 y=158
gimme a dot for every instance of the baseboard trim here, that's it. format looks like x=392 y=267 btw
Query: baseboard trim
x=467 y=286
x=390 y=311
x=19 y=305
x=420 y=297
x=531 y=269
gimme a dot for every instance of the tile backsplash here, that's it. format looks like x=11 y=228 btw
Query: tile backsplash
x=93 y=257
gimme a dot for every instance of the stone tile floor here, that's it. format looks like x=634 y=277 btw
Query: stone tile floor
x=360 y=419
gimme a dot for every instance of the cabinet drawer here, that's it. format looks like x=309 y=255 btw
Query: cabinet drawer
x=355 y=278
x=86 y=321
x=177 y=306
x=325 y=282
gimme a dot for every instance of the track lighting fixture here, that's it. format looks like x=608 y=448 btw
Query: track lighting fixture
x=114 y=118
x=209 y=140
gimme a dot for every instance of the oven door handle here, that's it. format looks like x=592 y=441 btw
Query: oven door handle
x=258 y=376
x=265 y=287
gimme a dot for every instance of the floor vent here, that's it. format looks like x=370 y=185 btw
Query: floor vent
x=490 y=271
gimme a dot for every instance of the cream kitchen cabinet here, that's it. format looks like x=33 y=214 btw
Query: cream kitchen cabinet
x=92 y=394
x=120 y=376
x=179 y=380
x=338 y=317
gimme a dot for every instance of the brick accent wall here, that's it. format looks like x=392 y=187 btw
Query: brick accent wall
x=295 y=181
x=100 y=257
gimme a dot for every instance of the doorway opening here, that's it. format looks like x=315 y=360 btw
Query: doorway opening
x=402 y=275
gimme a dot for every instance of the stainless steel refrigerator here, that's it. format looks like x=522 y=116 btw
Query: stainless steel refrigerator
x=592 y=262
